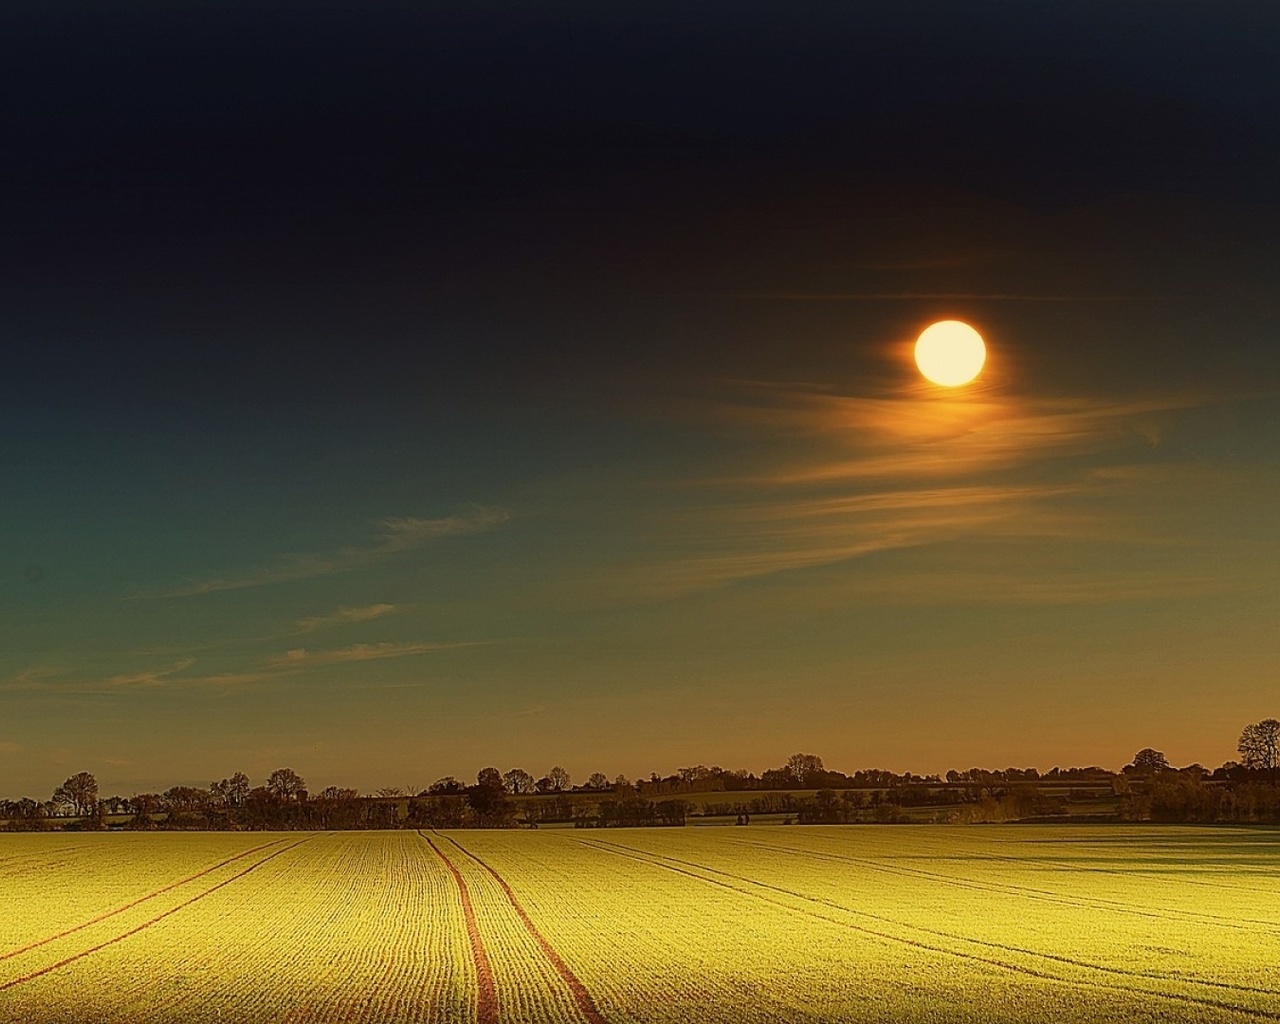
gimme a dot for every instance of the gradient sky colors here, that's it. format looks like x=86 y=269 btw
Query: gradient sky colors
x=388 y=392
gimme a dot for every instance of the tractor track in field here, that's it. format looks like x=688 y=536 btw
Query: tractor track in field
x=32 y=975
x=1055 y=957
x=1245 y=924
x=132 y=903
x=11 y=859
x=1074 y=868
x=487 y=994
x=581 y=997
x=683 y=867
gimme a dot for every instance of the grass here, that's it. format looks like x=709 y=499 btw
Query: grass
x=860 y=923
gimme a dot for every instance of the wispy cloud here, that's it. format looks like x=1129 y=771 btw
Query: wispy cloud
x=395 y=535
x=927 y=438
x=804 y=533
x=921 y=412
x=343 y=616
x=179 y=675
x=299 y=627
x=30 y=679
x=855 y=476
x=300 y=657
x=157 y=677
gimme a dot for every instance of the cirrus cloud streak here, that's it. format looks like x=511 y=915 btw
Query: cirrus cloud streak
x=849 y=477
x=396 y=535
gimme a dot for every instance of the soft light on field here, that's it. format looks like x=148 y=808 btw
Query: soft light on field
x=718 y=925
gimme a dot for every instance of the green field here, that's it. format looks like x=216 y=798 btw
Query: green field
x=862 y=923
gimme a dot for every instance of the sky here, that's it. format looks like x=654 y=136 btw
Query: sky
x=388 y=390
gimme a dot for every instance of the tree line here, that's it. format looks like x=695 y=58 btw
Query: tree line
x=1148 y=788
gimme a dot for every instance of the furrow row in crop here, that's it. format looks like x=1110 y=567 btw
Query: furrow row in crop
x=133 y=903
x=586 y=1005
x=1245 y=924
x=80 y=955
x=692 y=869
x=487 y=998
x=1122 y=872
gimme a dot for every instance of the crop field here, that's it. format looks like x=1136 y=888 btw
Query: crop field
x=764 y=923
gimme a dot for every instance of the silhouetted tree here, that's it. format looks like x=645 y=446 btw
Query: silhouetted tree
x=1175 y=797
x=489 y=777
x=144 y=806
x=518 y=781
x=630 y=811
x=438 y=811
x=232 y=792
x=488 y=801
x=60 y=804
x=25 y=815
x=559 y=779
x=185 y=799
x=693 y=775
x=447 y=785
x=79 y=793
x=804 y=765
x=598 y=780
x=1147 y=761
x=286 y=784
x=1259 y=747
x=671 y=812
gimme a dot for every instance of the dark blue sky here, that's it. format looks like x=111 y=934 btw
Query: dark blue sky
x=397 y=388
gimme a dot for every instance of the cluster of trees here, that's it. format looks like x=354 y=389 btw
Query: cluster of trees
x=516 y=782
x=993 y=800
x=806 y=771
x=489 y=804
x=1147 y=788
x=801 y=771
x=1238 y=791
x=283 y=802
x=227 y=803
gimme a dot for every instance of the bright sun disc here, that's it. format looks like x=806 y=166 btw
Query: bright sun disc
x=950 y=353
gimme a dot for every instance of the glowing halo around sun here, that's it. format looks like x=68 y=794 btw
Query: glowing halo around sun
x=950 y=353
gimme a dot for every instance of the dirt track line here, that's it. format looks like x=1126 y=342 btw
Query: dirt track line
x=657 y=860
x=487 y=995
x=8 y=860
x=1003 y=946
x=133 y=903
x=23 y=979
x=581 y=996
x=1244 y=924
x=1070 y=866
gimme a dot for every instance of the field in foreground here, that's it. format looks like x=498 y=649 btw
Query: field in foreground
x=865 y=923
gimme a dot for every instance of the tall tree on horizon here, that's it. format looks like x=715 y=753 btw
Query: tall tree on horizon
x=559 y=779
x=80 y=791
x=286 y=784
x=518 y=781
x=1259 y=746
x=804 y=765
x=1149 y=761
